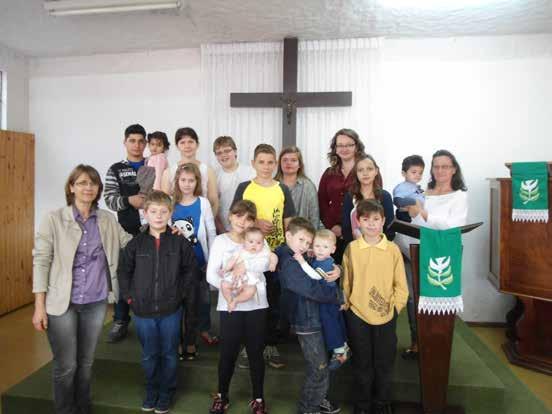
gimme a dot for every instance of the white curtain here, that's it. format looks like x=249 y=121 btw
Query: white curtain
x=242 y=67
x=324 y=66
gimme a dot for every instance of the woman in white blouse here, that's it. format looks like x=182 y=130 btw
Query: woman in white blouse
x=445 y=207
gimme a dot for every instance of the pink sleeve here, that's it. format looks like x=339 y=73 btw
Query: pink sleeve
x=160 y=163
x=355 y=225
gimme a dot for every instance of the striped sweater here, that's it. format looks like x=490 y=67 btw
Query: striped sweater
x=120 y=183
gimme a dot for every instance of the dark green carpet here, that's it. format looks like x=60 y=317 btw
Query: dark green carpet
x=478 y=381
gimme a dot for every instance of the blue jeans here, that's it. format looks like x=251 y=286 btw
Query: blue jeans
x=317 y=375
x=159 y=338
x=121 y=311
x=73 y=337
x=333 y=324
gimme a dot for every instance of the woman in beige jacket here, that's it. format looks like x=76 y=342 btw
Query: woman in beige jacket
x=74 y=276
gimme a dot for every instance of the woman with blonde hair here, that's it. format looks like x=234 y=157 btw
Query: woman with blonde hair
x=291 y=172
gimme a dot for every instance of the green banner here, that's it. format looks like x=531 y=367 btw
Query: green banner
x=530 y=191
x=440 y=271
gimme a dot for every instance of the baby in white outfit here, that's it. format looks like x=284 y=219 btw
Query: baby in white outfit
x=243 y=270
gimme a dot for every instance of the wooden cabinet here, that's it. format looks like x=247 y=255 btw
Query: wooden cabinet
x=521 y=265
x=16 y=219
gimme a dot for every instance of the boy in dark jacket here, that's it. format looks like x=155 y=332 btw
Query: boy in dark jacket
x=300 y=303
x=155 y=271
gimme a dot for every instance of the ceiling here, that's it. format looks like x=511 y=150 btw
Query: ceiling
x=28 y=29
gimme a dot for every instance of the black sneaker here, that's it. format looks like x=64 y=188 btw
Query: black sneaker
x=149 y=402
x=220 y=405
x=118 y=332
x=273 y=357
x=326 y=407
x=162 y=406
x=148 y=407
x=383 y=407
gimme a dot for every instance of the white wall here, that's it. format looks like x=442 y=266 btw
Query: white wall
x=485 y=99
x=81 y=106
x=16 y=75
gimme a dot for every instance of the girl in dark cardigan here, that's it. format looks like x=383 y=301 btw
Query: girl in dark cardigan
x=367 y=184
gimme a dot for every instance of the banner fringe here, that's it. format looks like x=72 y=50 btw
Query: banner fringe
x=440 y=306
x=535 y=216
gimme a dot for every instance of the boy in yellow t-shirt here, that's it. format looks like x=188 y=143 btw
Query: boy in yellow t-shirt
x=272 y=198
x=375 y=290
x=274 y=211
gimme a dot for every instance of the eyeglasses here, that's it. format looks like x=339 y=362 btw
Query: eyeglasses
x=443 y=167
x=342 y=146
x=82 y=184
x=224 y=152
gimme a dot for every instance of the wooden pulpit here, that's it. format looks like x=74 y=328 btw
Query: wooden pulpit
x=521 y=265
x=435 y=334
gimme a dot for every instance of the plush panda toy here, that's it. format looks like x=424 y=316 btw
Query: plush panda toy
x=187 y=227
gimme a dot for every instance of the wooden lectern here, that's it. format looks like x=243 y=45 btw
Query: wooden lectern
x=521 y=265
x=435 y=334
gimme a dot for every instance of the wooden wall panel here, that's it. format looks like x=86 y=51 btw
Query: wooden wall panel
x=16 y=219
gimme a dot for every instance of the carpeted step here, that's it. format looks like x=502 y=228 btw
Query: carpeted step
x=118 y=389
x=118 y=383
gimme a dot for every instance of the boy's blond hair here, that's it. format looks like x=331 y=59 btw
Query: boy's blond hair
x=326 y=234
x=158 y=197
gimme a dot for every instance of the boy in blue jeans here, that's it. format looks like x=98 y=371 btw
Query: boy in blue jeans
x=331 y=315
x=155 y=270
x=122 y=195
x=300 y=303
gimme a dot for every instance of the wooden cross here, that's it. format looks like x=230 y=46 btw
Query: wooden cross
x=290 y=99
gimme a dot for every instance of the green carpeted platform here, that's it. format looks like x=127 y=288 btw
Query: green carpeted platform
x=478 y=381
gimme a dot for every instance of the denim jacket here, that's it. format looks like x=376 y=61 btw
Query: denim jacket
x=301 y=295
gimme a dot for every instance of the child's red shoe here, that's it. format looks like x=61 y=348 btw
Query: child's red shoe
x=220 y=405
x=258 y=407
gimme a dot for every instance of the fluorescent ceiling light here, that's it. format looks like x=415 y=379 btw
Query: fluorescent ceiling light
x=78 y=7
x=439 y=4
